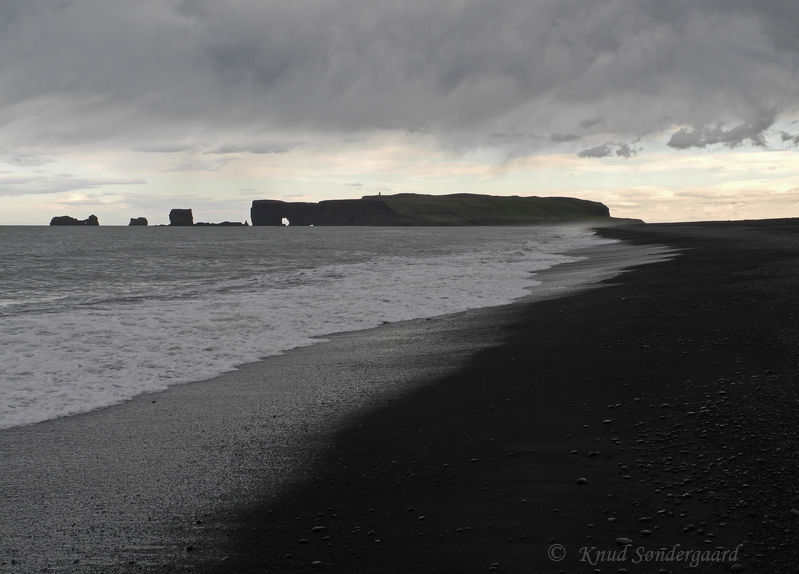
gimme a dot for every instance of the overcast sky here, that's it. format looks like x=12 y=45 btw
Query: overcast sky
x=666 y=111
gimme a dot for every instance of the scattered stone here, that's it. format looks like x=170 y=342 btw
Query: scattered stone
x=582 y=480
x=623 y=540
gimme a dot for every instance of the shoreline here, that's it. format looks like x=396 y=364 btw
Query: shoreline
x=658 y=412
x=134 y=485
x=258 y=325
x=605 y=261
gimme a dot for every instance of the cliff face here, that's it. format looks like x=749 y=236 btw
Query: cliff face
x=333 y=212
x=67 y=220
x=181 y=217
x=417 y=209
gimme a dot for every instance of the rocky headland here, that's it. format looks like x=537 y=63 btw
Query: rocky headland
x=407 y=209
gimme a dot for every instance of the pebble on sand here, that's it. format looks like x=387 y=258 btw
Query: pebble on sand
x=623 y=540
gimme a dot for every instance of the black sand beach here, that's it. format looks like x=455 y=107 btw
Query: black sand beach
x=658 y=410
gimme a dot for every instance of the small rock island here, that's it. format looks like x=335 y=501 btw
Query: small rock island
x=67 y=220
x=406 y=209
x=185 y=217
x=181 y=217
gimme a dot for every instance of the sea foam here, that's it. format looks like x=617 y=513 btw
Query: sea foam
x=150 y=333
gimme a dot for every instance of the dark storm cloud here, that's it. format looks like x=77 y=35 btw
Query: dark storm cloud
x=625 y=150
x=733 y=137
x=603 y=150
x=143 y=73
x=609 y=149
x=787 y=137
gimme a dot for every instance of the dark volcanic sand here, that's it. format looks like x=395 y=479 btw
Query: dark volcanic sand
x=157 y=484
x=672 y=391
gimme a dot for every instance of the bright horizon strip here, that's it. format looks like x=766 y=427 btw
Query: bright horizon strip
x=747 y=182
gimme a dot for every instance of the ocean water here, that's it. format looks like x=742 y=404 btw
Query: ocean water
x=90 y=317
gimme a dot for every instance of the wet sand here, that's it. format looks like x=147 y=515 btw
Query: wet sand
x=168 y=482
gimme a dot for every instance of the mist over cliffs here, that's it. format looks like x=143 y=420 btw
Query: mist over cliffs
x=417 y=209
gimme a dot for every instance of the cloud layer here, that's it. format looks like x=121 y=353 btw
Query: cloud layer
x=140 y=106
x=154 y=71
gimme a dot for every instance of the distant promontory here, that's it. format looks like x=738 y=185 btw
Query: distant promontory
x=417 y=209
x=403 y=209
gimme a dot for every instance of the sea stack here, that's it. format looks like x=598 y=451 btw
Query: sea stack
x=138 y=221
x=67 y=220
x=181 y=217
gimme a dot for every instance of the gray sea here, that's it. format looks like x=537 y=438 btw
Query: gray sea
x=93 y=316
